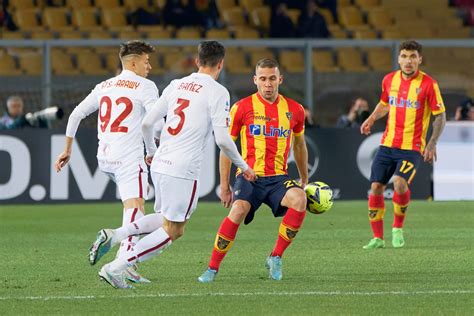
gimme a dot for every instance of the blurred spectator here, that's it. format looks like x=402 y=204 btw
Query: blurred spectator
x=281 y=25
x=145 y=16
x=358 y=113
x=331 y=5
x=55 y=3
x=311 y=23
x=181 y=13
x=465 y=111
x=308 y=117
x=6 y=21
x=292 y=4
x=209 y=12
x=15 y=118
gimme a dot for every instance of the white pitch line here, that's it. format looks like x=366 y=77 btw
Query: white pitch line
x=172 y=295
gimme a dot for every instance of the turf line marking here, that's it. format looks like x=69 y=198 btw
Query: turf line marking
x=172 y=295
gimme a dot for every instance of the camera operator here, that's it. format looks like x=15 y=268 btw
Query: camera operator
x=15 y=118
x=358 y=113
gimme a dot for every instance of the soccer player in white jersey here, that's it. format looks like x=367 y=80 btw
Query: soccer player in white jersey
x=122 y=102
x=195 y=106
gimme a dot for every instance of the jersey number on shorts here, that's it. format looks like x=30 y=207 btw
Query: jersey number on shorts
x=406 y=166
x=183 y=103
x=104 y=118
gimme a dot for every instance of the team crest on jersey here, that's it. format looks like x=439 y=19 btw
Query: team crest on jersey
x=289 y=115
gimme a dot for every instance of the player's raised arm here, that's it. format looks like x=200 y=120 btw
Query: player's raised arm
x=86 y=107
x=380 y=111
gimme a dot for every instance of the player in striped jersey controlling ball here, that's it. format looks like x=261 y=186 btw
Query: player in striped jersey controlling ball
x=267 y=123
x=410 y=97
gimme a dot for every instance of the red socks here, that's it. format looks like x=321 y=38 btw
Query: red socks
x=224 y=240
x=289 y=227
x=400 y=205
x=376 y=213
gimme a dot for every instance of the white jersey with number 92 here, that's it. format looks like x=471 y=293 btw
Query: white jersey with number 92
x=121 y=102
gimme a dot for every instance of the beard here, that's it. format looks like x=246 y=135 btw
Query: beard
x=409 y=74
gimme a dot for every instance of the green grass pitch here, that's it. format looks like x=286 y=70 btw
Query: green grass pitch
x=45 y=269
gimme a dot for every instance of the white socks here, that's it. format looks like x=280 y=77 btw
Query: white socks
x=145 y=225
x=149 y=246
x=126 y=244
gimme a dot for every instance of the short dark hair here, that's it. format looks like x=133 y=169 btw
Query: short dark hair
x=466 y=106
x=267 y=63
x=210 y=53
x=410 y=45
x=135 y=47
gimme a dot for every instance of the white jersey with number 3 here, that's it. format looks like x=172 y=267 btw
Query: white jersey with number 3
x=193 y=105
x=122 y=102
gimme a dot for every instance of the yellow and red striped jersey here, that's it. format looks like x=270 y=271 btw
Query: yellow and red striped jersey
x=411 y=104
x=266 y=131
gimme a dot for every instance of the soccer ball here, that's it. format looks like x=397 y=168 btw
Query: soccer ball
x=319 y=196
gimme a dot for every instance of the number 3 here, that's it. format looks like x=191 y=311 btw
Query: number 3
x=183 y=103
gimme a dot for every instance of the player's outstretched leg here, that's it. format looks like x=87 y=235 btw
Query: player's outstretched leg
x=148 y=247
x=223 y=242
x=107 y=238
x=400 y=206
x=273 y=264
x=132 y=275
x=289 y=227
x=376 y=214
x=375 y=243
x=208 y=276
x=101 y=245
x=397 y=238
x=115 y=279
x=129 y=216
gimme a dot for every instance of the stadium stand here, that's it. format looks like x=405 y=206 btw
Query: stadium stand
x=261 y=18
x=217 y=34
x=76 y=4
x=56 y=19
x=15 y=5
x=323 y=61
x=188 y=33
x=245 y=33
x=27 y=19
x=237 y=63
x=8 y=65
x=31 y=63
x=292 y=61
x=85 y=19
x=89 y=63
x=70 y=35
x=234 y=17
